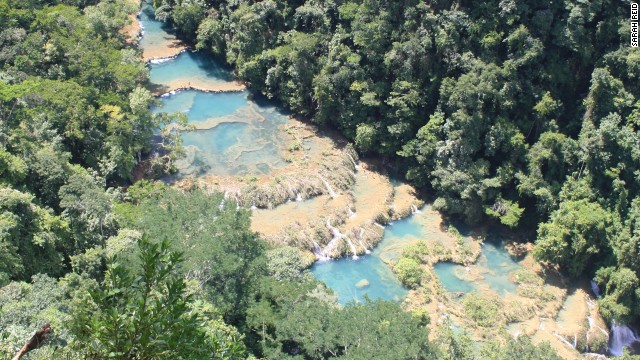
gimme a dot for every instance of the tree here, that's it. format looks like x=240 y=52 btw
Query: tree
x=521 y=347
x=145 y=314
x=621 y=298
x=292 y=320
x=30 y=238
x=285 y=264
x=576 y=233
x=224 y=256
x=409 y=272
x=87 y=208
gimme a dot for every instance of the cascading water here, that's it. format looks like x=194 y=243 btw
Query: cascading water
x=595 y=289
x=621 y=335
x=562 y=338
x=329 y=189
x=317 y=251
x=355 y=165
x=353 y=249
x=337 y=235
x=366 y=251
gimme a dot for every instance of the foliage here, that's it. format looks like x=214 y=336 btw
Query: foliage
x=416 y=251
x=620 y=302
x=31 y=238
x=519 y=348
x=578 y=230
x=25 y=307
x=285 y=263
x=145 y=314
x=409 y=272
x=293 y=320
x=484 y=311
x=223 y=255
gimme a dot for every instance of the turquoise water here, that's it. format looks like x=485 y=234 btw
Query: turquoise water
x=235 y=136
x=450 y=277
x=494 y=264
x=200 y=106
x=226 y=135
x=342 y=275
x=155 y=33
x=189 y=68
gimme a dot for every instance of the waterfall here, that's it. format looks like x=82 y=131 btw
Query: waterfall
x=329 y=189
x=563 y=340
x=414 y=209
x=317 y=251
x=355 y=165
x=351 y=213
x=590 y=320
x=298 y=197
x=353 y=249
x=595 y=289
x=337 y=235
x=221 y=206
x=381 y=226
x=366 y=251
x=253 y=206
x=586 y=347
x=621 y=336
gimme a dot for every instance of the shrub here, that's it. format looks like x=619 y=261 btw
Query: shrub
x=484 y=311
x=409 y=272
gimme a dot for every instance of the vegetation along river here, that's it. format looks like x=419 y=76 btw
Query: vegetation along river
x=363 y=235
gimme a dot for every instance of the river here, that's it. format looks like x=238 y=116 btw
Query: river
x=309 y=190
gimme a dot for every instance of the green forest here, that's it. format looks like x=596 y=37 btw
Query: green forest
x=524 y=113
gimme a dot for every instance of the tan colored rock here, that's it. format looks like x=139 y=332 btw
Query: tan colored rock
x=362 y=284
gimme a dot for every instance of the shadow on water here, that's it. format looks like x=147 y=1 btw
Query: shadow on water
x=188 y=68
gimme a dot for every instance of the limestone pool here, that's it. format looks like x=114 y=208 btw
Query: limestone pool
x=345 y=276
x=233 y=135
x=494 y=265
x=189 y=69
